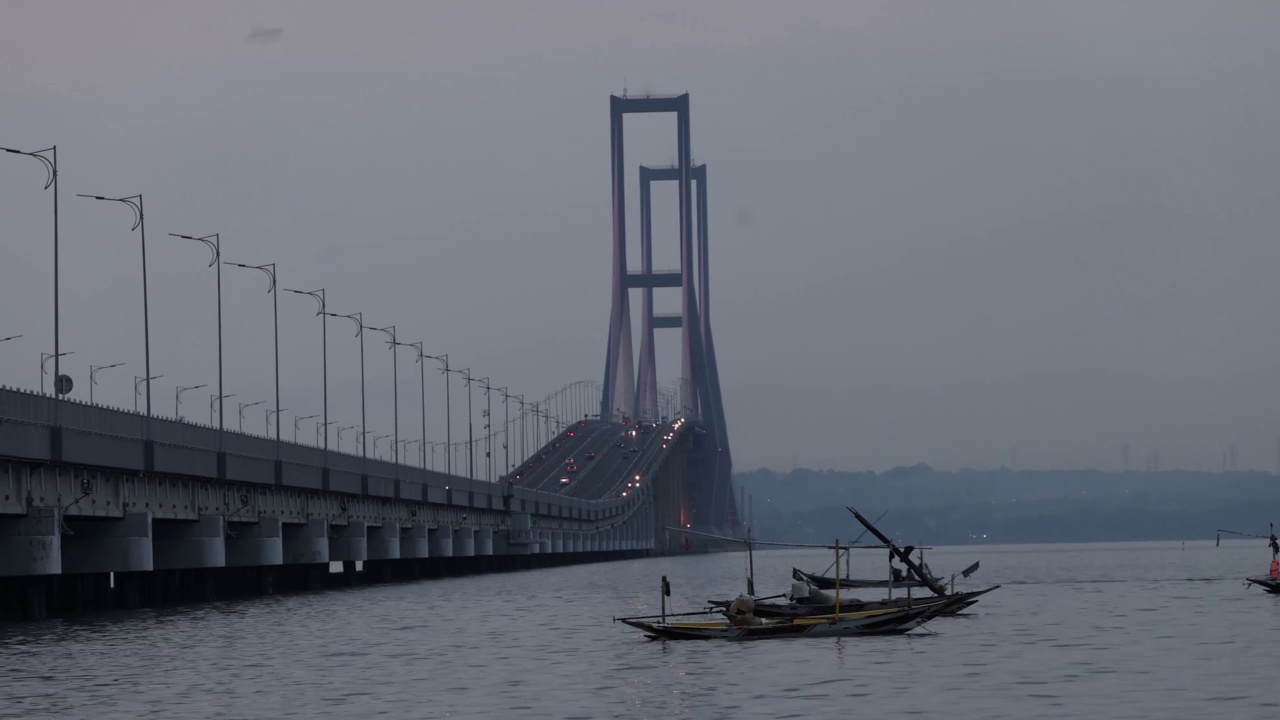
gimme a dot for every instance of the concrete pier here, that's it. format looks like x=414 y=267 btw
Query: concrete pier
x=484 y=541
x=464 y=542
x=441 y=542
x=108 y=545
x=306 y=543
x=31 y=545
x=184 y=544
x=414 y=542
x=384 y=542
x=255 y=544
x=349 y=543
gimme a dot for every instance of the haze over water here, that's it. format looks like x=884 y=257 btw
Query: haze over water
x=1132 y=630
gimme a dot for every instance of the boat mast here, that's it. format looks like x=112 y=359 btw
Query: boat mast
x=837 y=579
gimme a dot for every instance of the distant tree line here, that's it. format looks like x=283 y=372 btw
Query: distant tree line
x=1005 y=506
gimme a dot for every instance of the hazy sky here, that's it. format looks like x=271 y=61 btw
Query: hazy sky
x=939 y=230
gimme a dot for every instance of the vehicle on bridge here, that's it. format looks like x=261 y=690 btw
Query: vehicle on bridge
x=565 y=480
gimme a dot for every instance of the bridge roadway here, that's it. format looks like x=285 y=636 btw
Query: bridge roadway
x=608 y=456
x=112 y=508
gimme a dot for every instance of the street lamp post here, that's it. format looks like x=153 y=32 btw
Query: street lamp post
x=523 y=453
x=214 y=243
x=376 y=438
x=93 y=376
x=488 y=427
x=422 y=386
x=390 y=332
x=318 y=295
x=358 y=319
x=322 y=426
x=297 y=421
x=537 y=437
x=471 y=450
x=48 y=157
x=270 y=270
x=44 y=360
x=448 y=416
x=217 y=400
x=246 y=406
x=269 y=413
x=137 y=383
x=506 y=430
x=340 y=429
x=134 y=202
x=177 y=398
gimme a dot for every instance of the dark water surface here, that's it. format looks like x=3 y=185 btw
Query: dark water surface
x=1131 y=630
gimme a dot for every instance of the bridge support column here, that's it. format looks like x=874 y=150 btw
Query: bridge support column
x=31 y=545
x=544 y=542
x=484 y=541
x=413 y=542
x=384 y=542
x=184 y=545
x=349 y=543
x=502 y=543
x=441 y=542
x=98 y=546
x=557 y=542
x=255 y=544
x=464 y=542
x=307 y=543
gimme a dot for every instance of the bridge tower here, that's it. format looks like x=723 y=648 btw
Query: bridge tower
x=623 y=392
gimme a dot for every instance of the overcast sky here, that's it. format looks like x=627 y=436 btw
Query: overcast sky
x=939 y=230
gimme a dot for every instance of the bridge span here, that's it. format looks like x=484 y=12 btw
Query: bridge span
x=107 y=509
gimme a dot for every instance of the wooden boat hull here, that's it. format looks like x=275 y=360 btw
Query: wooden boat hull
x=950 y=605
x=1266 y=583
x=823 y=582
x=879 y=622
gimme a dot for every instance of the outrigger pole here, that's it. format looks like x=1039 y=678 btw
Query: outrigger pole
x=855 y=542
x=904 y=556
x=1272 y=537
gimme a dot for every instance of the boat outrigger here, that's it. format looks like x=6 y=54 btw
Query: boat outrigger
x=746 y=626
x=806 y=602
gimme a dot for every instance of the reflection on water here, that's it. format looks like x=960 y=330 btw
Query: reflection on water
x=1121 y=630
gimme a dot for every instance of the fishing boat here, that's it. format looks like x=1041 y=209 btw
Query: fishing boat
x=845 y=624
x=739 y=621
x=1271 y=581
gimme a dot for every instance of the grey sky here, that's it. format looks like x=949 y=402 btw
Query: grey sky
x=939 y=230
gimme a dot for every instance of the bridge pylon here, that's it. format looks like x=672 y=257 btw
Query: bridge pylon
x=625 y=394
